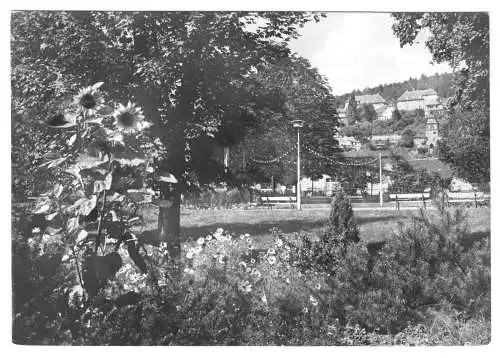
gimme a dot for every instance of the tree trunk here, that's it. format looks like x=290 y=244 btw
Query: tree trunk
x=169 y=219
x=169 y=216
x=177 y=119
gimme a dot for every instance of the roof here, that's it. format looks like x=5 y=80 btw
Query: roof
x=370 y=99
x=416 y=95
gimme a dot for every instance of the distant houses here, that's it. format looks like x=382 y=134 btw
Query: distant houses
x=426 y=100
x=376 y=100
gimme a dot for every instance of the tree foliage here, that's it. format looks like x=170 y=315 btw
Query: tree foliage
x=462 y=40
x=189 y=71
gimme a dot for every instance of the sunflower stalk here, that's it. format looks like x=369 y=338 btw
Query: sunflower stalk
x=101 y=217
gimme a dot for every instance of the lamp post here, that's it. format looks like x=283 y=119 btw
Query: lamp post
x=381 y=192
x=298 y=124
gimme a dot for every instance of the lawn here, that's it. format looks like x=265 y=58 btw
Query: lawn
x=374 y=225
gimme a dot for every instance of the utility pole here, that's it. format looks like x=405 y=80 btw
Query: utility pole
x=298 y=124
x=381 y=191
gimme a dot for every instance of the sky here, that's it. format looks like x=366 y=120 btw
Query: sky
x=359 y=50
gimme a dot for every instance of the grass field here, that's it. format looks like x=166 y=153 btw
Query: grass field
x=374 y=225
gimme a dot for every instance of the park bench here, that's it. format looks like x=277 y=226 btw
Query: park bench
x=355 y=198
x=271 y=201
x=410 y=197
x=478 y=198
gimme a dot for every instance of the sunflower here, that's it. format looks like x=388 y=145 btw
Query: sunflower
x=129 y=119
x=59 y=120
x=90 y=98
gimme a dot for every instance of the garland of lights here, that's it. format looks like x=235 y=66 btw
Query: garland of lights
x=274 y=160
x=333 y=161
x=315 y=153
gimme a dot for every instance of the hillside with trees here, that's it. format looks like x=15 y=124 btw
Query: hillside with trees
x=441 y=83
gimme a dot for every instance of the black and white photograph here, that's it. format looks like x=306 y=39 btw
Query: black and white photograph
x=250 y=178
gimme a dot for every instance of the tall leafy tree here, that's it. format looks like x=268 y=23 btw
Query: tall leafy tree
x=189 y=71
x=462 y=40
x=352 y=113
x=306 y=96
x=368 y=112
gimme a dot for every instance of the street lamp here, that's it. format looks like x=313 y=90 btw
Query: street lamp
x=298 y=124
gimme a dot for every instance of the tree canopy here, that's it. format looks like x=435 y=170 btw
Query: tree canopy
x=189 y=71
x=461 y=40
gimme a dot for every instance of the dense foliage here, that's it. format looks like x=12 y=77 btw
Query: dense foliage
x=461 y=40
x=189 y=71
x=298 y=290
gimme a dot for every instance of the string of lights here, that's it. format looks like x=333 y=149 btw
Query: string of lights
x=274 y=160
x=333 y=161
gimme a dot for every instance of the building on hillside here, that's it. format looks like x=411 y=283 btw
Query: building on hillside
x=348 y=143
x=433 y=107
x=342 y=115
x=432 y=133
x=412 y=100
x=385 y=140
x=385 y=113
x=376 y=100
x=420 y=141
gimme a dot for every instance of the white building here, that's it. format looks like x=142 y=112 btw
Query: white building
x=376 y=100
x=348 y=143
x=412 y=100
x=323 y=184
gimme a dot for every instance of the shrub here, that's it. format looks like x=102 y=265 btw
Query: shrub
x=341 y=222
x=422 y=150
x=431 y=262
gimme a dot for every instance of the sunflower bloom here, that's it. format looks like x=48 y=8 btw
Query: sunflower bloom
x=90 y=98
x=129 y=118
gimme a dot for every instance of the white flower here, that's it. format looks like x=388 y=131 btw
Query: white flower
x=208 y=237
x=287 y=280
x=219 y=231
x=35 y=230
x=222 y=259
x=189 y=271
x=189 y=254
x=318 y=286
x=271 y=260
x=197 y=250
x=252 y=261
x=200 y=241
x=271 y=251
x=245 y=287
x=313 y=300
x=264 y=298
x=243 y=263
x=247 y=235
x=279 y=242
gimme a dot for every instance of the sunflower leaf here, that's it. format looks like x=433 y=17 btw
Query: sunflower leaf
x=72 y=139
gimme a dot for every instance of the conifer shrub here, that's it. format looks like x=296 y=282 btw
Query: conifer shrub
x=341 y=224
x=429 y=264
